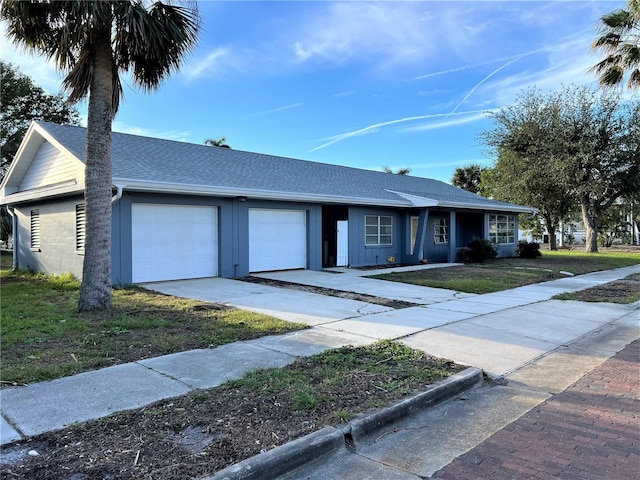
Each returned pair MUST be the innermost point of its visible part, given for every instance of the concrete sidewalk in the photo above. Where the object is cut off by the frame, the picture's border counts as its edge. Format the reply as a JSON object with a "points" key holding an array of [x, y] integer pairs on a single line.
{"points": [[569, 444], [500, 333]]}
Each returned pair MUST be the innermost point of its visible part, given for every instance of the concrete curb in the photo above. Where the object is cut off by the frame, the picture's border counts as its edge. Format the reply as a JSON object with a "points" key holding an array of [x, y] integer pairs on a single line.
{"points": [[360, 428], [288, 457]]}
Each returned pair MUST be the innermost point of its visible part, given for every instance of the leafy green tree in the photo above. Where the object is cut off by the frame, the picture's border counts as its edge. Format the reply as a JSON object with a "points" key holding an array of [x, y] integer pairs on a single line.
{"points": [[468, 178], [217, 142], [528, 164], [601, 145], [93, 42], [400, 171], [619, 40], [21, 102], [566, 148]]}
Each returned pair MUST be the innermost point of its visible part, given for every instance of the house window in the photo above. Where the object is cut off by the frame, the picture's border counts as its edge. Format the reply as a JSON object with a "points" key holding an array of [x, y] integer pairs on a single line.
{"points": [[35, 229], [502, 228], [81, 226], [441, 230], [377, 230]]}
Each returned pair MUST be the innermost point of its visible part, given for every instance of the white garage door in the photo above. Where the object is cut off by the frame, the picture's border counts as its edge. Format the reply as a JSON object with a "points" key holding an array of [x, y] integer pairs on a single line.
{"points": [[277, 239], [171, 242]]}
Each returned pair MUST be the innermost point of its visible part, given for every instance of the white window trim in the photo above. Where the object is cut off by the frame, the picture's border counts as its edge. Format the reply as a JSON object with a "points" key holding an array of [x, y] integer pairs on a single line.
{"points": [[378, 226], [441, 230], [502, 229]]}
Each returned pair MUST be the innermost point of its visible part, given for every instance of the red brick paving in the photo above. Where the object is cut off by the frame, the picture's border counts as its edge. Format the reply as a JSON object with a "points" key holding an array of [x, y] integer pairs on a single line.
{"points": [[589, 431]]}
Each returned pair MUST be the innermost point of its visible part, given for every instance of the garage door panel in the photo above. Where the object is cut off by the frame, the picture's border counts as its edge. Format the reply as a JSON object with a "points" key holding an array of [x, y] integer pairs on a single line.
{"points": [[171, 242], [277, 239]]}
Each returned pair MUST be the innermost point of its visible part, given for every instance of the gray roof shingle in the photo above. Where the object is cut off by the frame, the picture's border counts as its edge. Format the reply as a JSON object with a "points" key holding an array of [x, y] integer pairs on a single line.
{"points": [[179, 164]]}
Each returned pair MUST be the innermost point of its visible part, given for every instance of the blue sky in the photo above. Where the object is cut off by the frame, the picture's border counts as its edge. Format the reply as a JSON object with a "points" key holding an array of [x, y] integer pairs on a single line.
{"points": [[363, 84]]}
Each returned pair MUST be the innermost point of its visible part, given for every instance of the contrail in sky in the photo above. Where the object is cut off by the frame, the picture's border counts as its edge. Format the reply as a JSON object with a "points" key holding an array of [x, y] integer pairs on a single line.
{"points": [[375, 126], [487, 78], [274, 110]]}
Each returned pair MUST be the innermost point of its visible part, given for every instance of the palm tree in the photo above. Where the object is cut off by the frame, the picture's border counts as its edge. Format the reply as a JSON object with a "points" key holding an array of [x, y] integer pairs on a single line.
{"points": [[92, 42], [620, 40], [217, 142], [400, 171], [468, 178]]}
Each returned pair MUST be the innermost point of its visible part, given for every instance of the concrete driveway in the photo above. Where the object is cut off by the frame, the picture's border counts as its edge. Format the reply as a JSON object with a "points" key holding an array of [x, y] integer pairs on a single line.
{"points": [[497, 332], [293, 306]]}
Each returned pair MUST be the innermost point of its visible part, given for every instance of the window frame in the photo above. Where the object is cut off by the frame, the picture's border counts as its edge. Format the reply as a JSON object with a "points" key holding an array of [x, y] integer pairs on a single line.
{"points": [[441, 231], [34, 230], [378, 231], [502, 229]]}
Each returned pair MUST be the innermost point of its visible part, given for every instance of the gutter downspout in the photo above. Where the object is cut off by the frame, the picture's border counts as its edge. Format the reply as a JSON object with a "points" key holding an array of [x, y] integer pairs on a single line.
{"points": [[14, 233], [118, 194]]}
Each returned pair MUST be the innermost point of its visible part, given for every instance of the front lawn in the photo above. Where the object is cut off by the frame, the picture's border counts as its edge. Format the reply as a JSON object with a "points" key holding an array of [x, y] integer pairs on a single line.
{"points": [[505, 273], [207, 430], [44, 337]]}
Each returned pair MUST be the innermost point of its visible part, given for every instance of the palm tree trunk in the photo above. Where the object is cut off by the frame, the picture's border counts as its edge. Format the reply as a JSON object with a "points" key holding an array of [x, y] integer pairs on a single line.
{"points": [[95, 292]]}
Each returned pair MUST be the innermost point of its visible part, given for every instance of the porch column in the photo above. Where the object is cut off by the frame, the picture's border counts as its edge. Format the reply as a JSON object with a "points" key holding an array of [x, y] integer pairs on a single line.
{"points": [[453, 250], [421, 236]]}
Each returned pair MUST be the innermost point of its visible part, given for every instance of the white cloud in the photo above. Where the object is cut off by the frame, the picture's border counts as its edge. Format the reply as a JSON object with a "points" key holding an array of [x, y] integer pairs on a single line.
{"points": [[212, 63], [379, 32], [178, 135]]}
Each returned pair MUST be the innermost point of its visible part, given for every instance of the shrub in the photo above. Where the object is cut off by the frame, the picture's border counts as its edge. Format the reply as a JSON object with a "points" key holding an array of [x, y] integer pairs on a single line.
{"points": [[528, 249], [477, 251]]}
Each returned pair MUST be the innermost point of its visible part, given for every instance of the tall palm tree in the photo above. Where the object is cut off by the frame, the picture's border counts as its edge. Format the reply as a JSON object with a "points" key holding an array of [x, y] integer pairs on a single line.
{"points": [[93, 42], [217, 142], [620, 40]]}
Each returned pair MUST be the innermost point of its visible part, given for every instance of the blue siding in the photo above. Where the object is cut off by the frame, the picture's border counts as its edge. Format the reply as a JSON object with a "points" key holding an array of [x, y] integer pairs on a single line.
{"points": [[58, 255], [361, 255]]}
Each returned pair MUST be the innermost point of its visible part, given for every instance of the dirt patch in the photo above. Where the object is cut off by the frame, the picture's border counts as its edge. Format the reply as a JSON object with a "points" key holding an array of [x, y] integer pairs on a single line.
{"points": [[207, 430], [361, 297], [619, 291]]}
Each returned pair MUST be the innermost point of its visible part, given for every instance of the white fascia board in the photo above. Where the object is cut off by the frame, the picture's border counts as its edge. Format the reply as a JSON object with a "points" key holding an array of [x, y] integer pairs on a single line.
{"points": [[49, 191], [166, 187]]}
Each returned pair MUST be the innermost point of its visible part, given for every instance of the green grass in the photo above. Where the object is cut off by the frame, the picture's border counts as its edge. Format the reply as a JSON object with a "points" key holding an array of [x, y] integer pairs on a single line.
{"points": [[309, 383], [503, 274], [44, 337]]}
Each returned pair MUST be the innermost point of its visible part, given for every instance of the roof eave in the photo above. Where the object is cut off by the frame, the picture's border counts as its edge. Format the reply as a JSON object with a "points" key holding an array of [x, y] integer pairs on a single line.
{"points": [[497, 207], [217, 191], [50, 191]]}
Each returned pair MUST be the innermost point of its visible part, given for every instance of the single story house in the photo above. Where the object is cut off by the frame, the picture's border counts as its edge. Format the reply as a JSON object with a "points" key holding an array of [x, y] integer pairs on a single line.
{"points": [[183, 210]]}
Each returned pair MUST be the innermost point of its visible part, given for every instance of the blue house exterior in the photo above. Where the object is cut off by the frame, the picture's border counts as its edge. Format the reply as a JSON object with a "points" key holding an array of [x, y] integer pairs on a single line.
{"points": [[182, 210]]}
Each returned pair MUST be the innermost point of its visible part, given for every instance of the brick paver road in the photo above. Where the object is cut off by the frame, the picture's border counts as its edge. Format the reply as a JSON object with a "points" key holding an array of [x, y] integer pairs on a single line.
{"points": [[591, 430]]}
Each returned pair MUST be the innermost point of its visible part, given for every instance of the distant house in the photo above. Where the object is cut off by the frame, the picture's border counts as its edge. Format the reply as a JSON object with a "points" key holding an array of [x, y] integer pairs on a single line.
{"points": [[182, 210]]}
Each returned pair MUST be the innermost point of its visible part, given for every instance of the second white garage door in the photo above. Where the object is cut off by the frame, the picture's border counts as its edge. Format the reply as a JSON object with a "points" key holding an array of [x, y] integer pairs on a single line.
{"points": [[171, 242], [277, 239]]}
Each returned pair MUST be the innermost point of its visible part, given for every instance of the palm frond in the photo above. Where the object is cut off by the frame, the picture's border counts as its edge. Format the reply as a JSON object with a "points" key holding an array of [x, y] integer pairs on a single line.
{"points": [[153, 43]]}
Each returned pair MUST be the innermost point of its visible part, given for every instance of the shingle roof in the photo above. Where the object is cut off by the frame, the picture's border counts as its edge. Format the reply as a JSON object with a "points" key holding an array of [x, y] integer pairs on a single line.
{"points": [[171, 164]]}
